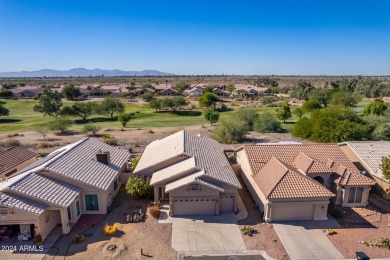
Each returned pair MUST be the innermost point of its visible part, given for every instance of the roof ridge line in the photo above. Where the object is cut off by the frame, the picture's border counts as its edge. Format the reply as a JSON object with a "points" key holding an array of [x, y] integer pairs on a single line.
{"points": [[60, 155], [283, 176]]}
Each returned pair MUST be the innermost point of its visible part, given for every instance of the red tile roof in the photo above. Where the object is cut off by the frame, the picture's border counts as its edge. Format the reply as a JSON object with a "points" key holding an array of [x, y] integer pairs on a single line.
{"points": [[321, 154], [278, 180], [12, 157]]}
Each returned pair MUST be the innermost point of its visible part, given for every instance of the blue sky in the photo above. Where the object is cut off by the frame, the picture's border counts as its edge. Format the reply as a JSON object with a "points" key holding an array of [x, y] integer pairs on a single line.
{"points": [[198, 37]]}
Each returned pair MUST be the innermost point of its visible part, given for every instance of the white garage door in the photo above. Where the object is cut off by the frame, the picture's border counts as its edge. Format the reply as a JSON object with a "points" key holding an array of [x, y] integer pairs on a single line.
{"points": [[292, 212], [193, 207], [226, 203]]}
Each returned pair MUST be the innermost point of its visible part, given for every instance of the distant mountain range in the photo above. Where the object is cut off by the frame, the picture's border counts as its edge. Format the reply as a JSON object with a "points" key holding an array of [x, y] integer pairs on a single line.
{"points": [[81, 72]]}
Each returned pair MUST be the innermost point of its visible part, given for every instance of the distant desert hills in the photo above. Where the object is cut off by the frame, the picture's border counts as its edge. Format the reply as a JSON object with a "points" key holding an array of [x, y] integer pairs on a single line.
{"points": [[81, 72]]}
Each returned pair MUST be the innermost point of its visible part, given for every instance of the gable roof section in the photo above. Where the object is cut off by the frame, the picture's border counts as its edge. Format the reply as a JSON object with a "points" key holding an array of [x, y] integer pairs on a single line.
{"points": [[79, 163], [259, 155], [47, 189], [173, 170], [278, 180], [12, 200], [207, 153], [10, 158], [191, 179], [161, 150], [371, 153]]}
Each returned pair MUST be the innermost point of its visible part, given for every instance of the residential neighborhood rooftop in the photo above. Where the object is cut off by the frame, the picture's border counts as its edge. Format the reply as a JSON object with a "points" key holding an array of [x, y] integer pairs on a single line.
{"points": [[278, 180], [322, 157], [11, 157], [214, 164], [371, 153]]}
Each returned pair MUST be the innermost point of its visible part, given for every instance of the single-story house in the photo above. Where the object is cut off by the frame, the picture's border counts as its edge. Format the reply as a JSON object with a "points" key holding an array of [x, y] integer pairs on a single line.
{"points": [[296, 181], [169, 92], [220, 92], [80, 178], [386, 99], [26, 91], [250, 91], [14, 159], [191, 173], [367, 156], [193, 92]]}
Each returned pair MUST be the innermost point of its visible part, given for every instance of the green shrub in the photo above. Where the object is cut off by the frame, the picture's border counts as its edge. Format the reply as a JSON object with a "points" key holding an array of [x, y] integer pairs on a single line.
{"points": [[335, 211], [267, 123]]}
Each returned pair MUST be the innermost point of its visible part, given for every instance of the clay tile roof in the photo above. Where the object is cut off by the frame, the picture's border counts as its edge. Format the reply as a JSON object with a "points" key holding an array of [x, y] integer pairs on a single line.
{"points": [[259, 155], [303, 162], [278, 180], [12, 157]]}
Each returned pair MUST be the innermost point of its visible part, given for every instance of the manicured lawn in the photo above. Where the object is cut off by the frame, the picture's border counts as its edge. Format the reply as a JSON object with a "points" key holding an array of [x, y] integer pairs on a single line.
{"points": [[23, 118]]}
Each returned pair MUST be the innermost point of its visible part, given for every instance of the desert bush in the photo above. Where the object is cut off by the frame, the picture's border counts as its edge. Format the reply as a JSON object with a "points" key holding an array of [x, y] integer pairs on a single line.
{"points": [[267, 123], [335, 211], [44, 154], [12, 142], [78, 239], [91, 128], [154, 211], [109, 139], [61, 124], [110, 230], [248, 230], [43, 145]]}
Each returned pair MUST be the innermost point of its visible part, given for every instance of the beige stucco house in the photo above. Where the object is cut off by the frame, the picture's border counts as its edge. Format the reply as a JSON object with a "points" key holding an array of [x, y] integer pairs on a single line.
{"points": [[81, 178], [190, 173], [14, 159], [367, 156], [296, 181]]}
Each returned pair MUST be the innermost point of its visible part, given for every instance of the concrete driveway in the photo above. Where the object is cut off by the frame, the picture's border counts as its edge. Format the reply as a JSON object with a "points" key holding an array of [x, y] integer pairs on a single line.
{"points": [[305, 239], [206, 233]]}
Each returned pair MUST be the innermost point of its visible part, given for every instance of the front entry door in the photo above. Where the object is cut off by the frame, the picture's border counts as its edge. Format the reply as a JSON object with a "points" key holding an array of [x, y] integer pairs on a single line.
{"points": [[162, 195]]}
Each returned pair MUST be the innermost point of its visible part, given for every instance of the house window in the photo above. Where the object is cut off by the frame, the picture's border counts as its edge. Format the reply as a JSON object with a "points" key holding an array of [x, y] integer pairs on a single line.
{"points": [[355, 195], [91, 202], [194, 187], [69, 213], [115, 184], [78, 208], [4, 211]]}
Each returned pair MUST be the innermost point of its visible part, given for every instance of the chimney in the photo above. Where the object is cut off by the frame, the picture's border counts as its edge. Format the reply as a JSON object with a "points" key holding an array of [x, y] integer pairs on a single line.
{"points": [[103, 157]]}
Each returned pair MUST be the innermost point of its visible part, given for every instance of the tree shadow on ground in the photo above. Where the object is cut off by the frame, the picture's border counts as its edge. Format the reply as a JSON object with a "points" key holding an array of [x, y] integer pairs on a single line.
{"points": [[9, 120]]}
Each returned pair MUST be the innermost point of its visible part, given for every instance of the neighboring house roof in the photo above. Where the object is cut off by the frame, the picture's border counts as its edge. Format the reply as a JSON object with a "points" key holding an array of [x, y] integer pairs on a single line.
{"points": [[371, 153], [278, 180], [259, 155], [207, 153], [12, 200], [41, 187], [251, 88], [32, 89], [12, 157], [173, 170], [79, 163], [162, 86], [169, 90], [386, 99]]}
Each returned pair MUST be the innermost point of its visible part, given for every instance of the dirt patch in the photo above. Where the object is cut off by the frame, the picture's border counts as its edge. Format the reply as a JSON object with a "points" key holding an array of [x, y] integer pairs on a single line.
{"points": [[152, 238], [136, 139], [362, 225], [265, 237]]}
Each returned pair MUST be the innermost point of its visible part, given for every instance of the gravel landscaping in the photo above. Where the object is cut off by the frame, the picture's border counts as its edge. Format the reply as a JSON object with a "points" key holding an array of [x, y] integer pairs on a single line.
{"points": [[265, 237], [130, 241], [362, 225]]}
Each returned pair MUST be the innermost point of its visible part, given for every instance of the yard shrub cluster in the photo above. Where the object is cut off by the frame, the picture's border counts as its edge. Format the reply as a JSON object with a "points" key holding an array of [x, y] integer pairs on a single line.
{"points": [[248, 230], [110, 230], [154, 211]]}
